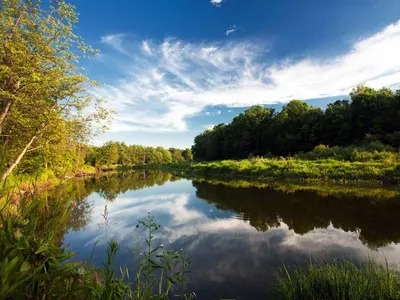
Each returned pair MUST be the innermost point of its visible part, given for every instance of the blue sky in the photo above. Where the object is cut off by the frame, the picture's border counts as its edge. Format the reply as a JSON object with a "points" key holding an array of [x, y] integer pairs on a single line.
{"points": [[172, 68]]}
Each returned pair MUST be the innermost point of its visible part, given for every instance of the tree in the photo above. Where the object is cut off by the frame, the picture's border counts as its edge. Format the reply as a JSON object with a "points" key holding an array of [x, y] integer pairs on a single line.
{"points": [[123, 154], [40, 83], [176, 155], [166, 156], [108, 154], [187, 154]]}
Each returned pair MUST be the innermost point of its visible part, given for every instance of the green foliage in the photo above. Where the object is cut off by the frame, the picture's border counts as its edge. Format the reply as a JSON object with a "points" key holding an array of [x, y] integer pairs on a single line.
{"points": [[339, 280], [371, 116], [44, 96], [187, 154], [33, 265], [115, 153], [160, 269], [362, 169], [371, 151], [108, 154]]}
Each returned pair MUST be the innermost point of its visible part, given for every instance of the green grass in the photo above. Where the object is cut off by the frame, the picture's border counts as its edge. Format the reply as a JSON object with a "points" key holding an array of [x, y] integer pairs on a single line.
{"points": [[339, 280], [296, 169]]}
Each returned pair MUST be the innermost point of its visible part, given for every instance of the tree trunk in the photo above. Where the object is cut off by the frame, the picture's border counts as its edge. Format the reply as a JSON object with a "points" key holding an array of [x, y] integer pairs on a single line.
{"points": [[4, 114], [16, 162]]}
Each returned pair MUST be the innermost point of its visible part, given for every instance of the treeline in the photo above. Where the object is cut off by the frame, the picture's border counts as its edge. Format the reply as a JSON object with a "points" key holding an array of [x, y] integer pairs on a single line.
{"points": [[370, 114], [116, 153]]}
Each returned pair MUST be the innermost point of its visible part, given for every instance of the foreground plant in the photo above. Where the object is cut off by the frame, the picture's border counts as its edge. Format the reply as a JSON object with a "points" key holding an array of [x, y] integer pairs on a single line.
{"points": [[339, 280], [34, 265], [159, 269]]}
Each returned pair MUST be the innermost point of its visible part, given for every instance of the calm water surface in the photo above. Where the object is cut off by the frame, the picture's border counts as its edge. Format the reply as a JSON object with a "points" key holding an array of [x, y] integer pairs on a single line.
{"points": [[235, 237]]}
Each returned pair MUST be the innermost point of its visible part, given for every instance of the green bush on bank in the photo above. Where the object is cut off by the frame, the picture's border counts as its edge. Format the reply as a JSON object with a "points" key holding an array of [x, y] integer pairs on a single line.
{"points": [[373, 151]]}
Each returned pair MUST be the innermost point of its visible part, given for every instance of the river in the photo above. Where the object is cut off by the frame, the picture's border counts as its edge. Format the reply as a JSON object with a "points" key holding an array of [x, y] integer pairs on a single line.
{"points": [[236, 237]]}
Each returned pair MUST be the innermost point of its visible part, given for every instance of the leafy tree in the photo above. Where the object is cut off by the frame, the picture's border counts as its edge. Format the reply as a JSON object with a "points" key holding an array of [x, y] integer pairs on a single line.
{"points": [[108, 154], [165, 155], [41, 87], [176, 155], [123, 154], [187, 154]]}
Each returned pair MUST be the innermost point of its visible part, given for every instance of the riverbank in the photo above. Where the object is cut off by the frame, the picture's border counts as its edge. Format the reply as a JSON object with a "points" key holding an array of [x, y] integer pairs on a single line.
{"points": [[44, 180], [281, 169]]}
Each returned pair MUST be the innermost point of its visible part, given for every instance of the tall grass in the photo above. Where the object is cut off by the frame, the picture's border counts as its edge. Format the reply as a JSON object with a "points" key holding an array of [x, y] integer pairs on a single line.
{"points": [[339, 280]]}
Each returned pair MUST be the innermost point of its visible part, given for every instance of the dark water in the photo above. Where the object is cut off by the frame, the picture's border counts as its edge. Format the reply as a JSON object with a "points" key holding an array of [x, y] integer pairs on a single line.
{"points": [[235, 237]]}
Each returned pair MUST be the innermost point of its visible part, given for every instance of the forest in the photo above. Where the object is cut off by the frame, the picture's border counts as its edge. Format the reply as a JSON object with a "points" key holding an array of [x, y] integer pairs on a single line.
{"points": [[116, 153], [368, 121]]}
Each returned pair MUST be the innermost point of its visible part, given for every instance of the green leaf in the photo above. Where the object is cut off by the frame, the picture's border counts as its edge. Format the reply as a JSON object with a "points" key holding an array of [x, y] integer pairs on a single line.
{"points": [[154, 264], [25, 266], [42, 248]]}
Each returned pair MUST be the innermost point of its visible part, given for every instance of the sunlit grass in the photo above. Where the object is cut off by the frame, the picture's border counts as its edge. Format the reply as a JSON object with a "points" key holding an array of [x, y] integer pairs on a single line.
{"points": [[298, 169]]}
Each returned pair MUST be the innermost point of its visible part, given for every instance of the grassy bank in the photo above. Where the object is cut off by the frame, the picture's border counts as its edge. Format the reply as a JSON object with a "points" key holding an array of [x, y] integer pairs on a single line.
{"points": [[41, 180], [294, 169], [339, 280]]}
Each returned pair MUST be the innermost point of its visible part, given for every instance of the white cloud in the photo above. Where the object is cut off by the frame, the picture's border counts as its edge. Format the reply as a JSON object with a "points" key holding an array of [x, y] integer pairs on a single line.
{"points": [[160, 91], [208, 126], [216, 2], [115, 41], [146, 47], [231, 29]]}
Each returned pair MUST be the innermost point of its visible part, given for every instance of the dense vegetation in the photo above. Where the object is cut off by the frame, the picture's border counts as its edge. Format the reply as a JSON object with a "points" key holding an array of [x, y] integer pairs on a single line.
{"points": [[114, 153], [35, 265], [47, 112], [339, 280], [385, 171], [298, 128]]}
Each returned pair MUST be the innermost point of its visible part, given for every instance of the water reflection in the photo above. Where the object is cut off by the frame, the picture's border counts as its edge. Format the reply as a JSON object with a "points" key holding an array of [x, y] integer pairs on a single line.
{"points": [[376, 221], [235, 237]]}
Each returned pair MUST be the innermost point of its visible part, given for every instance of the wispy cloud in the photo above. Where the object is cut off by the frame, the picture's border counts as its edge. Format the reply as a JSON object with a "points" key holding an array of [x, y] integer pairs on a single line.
{"points": [[115, 41], [216, 2], [146, 47], [180, 79], [231, 29]]}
